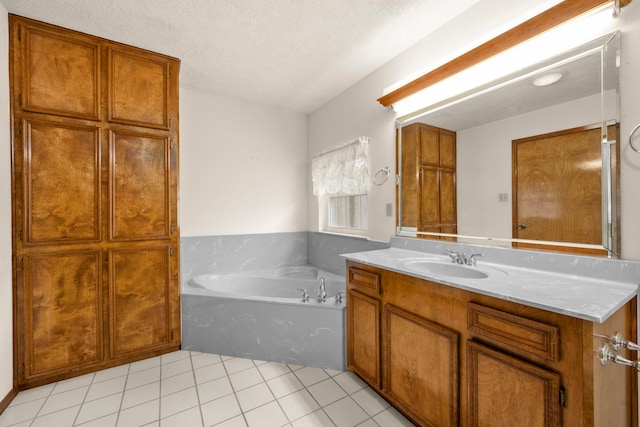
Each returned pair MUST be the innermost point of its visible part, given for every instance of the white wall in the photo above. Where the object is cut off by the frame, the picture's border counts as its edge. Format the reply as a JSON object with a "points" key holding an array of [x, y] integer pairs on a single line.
{"points": [[6, 306], [243, 167], [356, 111]]}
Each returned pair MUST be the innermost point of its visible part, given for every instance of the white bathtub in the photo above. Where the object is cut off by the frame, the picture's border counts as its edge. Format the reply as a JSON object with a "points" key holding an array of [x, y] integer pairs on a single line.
{"points": [[261, 315], [275, 285]]}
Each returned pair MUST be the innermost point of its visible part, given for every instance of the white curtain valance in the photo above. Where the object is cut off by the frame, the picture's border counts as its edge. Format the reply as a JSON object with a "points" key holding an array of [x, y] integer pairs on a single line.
{"points": [[344, 170]]}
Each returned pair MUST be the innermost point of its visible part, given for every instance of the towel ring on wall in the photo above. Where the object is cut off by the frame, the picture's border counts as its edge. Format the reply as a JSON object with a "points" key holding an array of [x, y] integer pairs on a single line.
{"points": [[381, 176], [631, 139]]}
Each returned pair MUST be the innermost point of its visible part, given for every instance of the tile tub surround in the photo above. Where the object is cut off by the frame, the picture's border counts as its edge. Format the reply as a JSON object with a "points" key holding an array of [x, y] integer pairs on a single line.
{"points": [[588, 288], [240, 252], [324, 250]]}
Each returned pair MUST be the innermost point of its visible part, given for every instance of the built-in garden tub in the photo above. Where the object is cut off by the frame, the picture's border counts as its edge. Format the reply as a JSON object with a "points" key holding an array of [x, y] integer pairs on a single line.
{"points": [[261, 315]]}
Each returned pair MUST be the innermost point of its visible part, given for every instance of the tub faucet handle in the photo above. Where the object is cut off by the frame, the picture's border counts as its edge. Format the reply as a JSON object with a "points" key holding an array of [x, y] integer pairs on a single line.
{"points": [[339, 297], [305, 295]]}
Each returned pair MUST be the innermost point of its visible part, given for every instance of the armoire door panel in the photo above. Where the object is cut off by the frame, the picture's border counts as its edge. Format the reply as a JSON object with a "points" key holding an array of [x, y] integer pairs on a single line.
{"points": [[138, 87], [139, 298], [448, 211], [62, 75], [63, 312], [429, 196], [61, 182], [139, 186]]}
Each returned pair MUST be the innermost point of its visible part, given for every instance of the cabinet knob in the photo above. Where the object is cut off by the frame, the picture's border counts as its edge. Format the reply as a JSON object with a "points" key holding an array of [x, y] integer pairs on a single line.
{"points": [[522, 226]]}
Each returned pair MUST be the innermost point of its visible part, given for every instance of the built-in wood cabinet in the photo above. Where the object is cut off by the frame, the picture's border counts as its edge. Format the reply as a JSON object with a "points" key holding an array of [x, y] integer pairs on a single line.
{"points": [[452, 357], [95, 233], [428, 179]]}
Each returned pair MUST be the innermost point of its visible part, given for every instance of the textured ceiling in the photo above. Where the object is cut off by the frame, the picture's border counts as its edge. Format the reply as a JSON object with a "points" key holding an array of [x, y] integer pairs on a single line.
{"points": [[294, 54]]}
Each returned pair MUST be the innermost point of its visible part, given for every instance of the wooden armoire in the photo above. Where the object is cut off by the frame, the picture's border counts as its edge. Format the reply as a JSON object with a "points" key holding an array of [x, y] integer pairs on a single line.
{"points": [[95, 190], [428, 183]]}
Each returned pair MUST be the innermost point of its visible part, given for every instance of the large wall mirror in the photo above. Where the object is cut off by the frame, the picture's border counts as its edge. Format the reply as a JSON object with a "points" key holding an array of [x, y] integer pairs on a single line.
{"points": [[530, 160]]}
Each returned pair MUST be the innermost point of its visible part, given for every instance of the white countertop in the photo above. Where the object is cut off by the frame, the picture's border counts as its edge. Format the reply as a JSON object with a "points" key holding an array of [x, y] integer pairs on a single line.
{"points": [[573, 295]]}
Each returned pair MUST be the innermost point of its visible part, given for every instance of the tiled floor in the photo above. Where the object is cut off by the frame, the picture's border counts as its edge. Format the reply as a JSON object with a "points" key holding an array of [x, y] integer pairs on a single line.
{"points": [[187, 389]]}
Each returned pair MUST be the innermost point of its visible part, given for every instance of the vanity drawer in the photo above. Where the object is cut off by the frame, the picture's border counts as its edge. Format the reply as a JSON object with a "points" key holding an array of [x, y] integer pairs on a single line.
{"points": [[514, 332], [366, 281]]}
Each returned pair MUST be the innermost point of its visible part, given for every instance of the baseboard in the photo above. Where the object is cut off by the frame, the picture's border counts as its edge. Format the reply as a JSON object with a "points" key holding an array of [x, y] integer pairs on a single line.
{"points": [[8, 399]]}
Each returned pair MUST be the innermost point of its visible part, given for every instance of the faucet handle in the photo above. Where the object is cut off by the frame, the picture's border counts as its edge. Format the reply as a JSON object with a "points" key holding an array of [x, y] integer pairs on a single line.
{"points": [[473, 258], [305, 295], [339, 297], [455, 256]]}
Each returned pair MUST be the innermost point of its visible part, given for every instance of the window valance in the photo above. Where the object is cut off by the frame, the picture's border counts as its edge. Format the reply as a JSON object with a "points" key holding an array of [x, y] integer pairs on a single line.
{"points": [[344, 170]]}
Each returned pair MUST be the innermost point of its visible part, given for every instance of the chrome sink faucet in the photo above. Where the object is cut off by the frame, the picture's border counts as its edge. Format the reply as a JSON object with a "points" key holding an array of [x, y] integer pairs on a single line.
{"points": [[322, 292], [461, 258]]}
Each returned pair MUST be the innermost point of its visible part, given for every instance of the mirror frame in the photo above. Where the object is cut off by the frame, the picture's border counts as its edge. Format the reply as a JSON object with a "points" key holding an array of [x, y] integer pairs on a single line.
{"points": [[610, 209]]}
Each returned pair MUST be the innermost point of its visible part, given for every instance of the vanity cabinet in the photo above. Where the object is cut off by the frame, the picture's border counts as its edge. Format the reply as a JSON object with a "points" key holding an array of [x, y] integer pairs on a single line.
{"points": [[429, 178], [95, 173], [452, 357]]}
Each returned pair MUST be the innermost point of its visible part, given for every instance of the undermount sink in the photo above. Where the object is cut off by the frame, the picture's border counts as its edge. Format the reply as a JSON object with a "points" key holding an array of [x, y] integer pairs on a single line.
{"points": [[444, 269]]}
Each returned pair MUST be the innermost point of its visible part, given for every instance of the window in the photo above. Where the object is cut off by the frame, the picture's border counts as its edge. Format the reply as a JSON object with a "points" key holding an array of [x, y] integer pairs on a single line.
{"points": [[348, 212], [340, 180]]}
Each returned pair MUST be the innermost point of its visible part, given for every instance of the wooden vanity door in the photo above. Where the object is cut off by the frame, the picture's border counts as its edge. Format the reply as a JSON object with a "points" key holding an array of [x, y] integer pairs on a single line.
{"points": [[505, 391], [421, 372]]}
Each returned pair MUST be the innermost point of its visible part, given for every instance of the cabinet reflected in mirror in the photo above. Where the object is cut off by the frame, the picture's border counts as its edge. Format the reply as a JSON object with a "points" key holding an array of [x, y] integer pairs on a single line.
{"points": [[480, 196]]}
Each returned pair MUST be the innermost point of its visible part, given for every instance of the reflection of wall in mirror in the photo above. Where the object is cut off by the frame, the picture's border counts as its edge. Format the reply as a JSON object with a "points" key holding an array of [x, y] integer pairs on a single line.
{"points": [[484, 161]]}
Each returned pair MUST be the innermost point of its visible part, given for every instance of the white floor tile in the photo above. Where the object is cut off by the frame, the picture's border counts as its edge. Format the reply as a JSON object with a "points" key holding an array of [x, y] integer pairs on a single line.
{"points": [[370, 401], [284, 385], [139, 395], [214, 389], [108, 374], [188, 389], [233, 422], [349, 382], [390, 417], [23, 412], [67, 399], [269, 415], [205, 359], [176, 368], [346, 413], [236, 364], [174, 356], [252, 397], [145, 364], [210, 372], [220, 410], [141, 378], [99, 408], [140, 415], [178, 402], [298, 404], [108, 421], [271, 370], [60, 418], [106, 388], [32, 394], [188, 418], [310, 376], [246, 378], [314, 419], [327, 391], [73, 383], [177, 383]]}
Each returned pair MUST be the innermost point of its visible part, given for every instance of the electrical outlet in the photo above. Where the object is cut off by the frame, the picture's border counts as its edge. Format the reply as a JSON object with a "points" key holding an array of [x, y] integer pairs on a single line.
{"points": [[389, 209], [503, 197]]}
